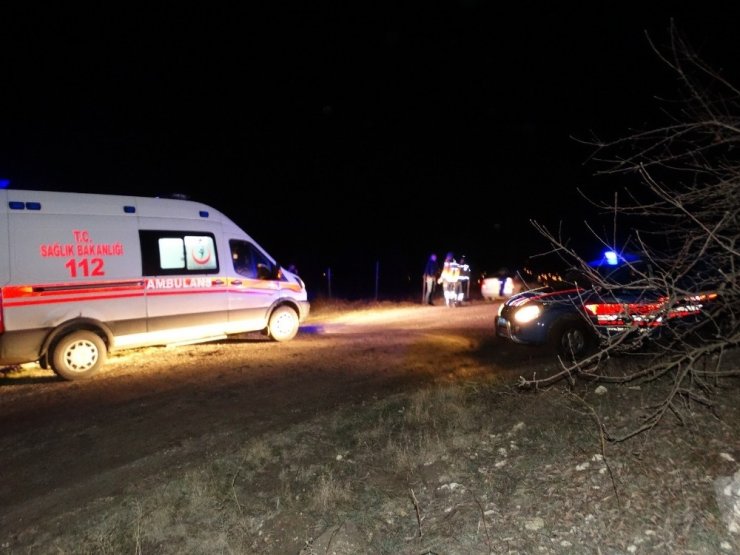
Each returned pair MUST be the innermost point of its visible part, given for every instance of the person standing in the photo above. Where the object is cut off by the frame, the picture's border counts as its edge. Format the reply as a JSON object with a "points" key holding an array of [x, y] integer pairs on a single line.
{"points": [[448, 278], [431, 272], [463, 280]]}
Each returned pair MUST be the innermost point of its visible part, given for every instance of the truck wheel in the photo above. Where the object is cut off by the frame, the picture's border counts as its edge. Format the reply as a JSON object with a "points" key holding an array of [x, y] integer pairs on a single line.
{"points": [[572, 339], [283, 324], [78, 355]]}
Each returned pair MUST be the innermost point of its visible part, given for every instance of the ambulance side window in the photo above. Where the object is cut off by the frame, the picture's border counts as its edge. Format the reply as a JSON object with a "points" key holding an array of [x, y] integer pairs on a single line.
{"points": [[249, 261], [177, 252]]}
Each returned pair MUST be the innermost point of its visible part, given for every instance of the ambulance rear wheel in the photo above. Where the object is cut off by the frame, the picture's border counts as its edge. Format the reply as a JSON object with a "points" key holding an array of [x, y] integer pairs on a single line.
{"points": [[78, 355], [283, 324]]}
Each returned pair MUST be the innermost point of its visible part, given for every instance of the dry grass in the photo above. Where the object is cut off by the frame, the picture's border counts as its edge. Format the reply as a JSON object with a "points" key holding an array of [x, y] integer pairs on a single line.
{"points": [[453, 469]]}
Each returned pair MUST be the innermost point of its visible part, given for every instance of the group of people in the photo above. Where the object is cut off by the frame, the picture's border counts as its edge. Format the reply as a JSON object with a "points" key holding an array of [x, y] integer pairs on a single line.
{"points": [[451, 276]]}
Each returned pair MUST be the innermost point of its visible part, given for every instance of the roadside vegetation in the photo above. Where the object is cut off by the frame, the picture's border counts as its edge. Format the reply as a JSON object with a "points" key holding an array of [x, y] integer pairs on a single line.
{"points": [[681, 214], [464, 468]]}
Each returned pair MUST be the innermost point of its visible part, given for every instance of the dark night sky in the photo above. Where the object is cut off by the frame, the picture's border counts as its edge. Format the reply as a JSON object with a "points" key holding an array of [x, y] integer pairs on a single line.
{"points": [[341, 138]]}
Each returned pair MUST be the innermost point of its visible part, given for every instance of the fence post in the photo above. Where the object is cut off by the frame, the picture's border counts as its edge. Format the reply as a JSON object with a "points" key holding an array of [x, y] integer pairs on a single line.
{"points": [[377, 278]]}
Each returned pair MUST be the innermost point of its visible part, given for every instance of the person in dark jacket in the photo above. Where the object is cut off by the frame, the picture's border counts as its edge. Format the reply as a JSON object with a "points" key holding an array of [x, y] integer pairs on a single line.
{"points": [[431, 273]]}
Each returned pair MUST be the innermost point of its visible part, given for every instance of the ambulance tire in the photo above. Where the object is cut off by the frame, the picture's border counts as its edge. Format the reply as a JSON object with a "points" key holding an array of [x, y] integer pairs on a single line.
{"points": [[283, 324], [78, 355]]}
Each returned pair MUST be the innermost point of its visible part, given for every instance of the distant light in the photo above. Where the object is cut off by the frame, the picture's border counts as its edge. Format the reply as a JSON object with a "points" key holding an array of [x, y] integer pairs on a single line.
{"points": [[612, 259], [4, 183]]}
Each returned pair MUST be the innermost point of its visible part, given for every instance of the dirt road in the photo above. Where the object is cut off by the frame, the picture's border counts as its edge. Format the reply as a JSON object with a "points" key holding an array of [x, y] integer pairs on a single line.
{"points": [[65, 443]]}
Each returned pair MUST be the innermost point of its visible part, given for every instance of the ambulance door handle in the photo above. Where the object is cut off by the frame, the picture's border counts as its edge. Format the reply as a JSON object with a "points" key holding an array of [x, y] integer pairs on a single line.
{"points": [[218, 282], [236, 282]]}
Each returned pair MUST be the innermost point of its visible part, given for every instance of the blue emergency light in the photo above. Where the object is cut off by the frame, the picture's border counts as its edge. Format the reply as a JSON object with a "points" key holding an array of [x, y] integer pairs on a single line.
{"points": [[611, 257]]}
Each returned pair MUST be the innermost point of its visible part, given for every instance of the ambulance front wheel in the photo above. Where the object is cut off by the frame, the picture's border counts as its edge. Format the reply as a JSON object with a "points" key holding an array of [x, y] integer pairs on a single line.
{"points": [[283, 324], [78, 355]]}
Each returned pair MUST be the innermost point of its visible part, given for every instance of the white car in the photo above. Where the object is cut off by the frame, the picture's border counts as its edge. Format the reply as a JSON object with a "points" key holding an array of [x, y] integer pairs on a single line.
{"points": [[491, 290]]}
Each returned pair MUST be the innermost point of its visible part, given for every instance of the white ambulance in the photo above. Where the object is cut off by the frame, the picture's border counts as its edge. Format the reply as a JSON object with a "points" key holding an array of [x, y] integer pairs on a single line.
{"points": [[82, 275]]}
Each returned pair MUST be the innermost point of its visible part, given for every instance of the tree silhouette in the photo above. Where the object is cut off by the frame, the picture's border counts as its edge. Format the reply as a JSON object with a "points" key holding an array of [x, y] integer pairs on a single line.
{"points": [[680, 213]]}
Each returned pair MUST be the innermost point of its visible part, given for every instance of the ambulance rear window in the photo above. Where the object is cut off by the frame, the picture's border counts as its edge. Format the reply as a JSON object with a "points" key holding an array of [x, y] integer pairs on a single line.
{"points": [[178, 252]]}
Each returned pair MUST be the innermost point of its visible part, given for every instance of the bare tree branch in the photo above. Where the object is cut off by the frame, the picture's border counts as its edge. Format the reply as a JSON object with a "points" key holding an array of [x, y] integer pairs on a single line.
{"points": [[682, 214]]}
